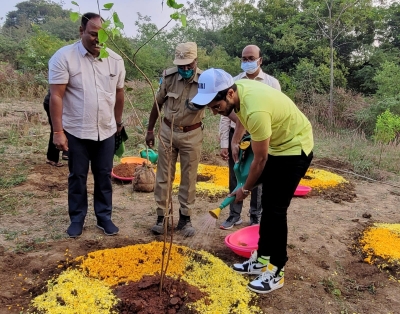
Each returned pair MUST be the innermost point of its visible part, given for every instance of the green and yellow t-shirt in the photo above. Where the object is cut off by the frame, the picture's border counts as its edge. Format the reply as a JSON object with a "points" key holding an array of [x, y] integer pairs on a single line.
{"points": [[267, 113]]}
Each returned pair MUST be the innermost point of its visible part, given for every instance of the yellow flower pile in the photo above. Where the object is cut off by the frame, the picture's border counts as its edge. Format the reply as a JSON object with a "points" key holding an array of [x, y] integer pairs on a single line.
{"points": [[226, 290], [74, 293], [216, 186], [321, 179], [130, 263], [382, 240]]}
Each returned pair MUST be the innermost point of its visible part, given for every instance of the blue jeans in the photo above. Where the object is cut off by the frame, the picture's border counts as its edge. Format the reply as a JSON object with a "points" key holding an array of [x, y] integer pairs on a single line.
{"points": [[100, 155], [280, 178]]}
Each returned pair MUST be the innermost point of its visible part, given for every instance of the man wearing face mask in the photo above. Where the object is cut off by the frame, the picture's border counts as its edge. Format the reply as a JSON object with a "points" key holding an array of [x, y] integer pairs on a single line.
{"points": [[251, 65], [178, 86]]}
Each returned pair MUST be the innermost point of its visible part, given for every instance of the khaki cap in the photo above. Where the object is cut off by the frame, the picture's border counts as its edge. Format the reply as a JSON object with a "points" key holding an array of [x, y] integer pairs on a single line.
{"points": [[185, 53]]}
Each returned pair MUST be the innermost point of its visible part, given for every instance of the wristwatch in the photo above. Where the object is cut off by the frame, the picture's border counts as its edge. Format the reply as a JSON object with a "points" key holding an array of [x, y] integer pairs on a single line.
{"points": [[246, 192], [120, 123]]}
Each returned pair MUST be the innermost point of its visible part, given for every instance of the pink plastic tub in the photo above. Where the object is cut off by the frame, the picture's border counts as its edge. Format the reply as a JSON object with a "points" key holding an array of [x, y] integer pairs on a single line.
{"points": [[302, 190], [244, 241]]}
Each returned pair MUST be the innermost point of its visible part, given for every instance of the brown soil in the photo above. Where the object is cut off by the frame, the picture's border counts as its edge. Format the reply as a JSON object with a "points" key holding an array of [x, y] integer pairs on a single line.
{"points": [[125, 170], [325, 272], [143, 297]]}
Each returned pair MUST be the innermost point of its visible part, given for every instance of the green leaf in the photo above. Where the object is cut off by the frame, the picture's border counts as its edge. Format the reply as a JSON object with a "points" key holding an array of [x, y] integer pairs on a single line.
{"points": [[129, 89], [74, 16], [106, 24], [173, 4], [108, 6], [74, 3], [102, 36], [119, 25], [115, 32], [183, 20], [116, 18], [103, 53], [175, 16]]}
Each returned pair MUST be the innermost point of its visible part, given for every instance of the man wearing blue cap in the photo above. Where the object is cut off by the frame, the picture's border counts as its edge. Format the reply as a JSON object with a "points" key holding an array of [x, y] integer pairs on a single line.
{"points": [[282, 142]]}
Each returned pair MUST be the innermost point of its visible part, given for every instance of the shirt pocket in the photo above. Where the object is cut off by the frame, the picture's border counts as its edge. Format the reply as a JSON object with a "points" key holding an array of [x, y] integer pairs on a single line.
{"points": [[173, 102], [107, 83]]}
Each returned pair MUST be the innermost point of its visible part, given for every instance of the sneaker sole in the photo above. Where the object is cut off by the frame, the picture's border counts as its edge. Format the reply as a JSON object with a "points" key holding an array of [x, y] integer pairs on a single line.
{"points": [[235, 224], [262, 291], [247, 273], [109, 234]]}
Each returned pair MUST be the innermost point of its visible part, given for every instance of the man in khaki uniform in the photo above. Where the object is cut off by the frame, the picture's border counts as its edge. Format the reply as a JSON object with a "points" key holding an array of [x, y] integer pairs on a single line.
{"points": [[177, 88]]}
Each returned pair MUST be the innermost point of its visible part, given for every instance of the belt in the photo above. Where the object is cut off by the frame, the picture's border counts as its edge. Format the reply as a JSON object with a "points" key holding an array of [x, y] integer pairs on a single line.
{"points": [[184, 128]]}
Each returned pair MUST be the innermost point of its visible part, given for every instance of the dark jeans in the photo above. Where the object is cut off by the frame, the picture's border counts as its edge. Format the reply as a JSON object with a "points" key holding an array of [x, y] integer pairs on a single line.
{"points": [[280, 178], [100, 154], [53, 154], [255, 197]]}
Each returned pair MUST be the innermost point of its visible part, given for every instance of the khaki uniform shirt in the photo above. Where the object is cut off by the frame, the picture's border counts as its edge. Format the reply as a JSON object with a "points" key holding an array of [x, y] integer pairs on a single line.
{"points": [[89, 99], [174, 92]]}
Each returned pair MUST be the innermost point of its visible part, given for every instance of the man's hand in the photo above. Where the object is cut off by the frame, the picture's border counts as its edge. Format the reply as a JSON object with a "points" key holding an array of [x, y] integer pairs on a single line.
{"points": [[224, 153], [235, 152], [60, 141], [119, 128], [150, 139], [240, 196]]}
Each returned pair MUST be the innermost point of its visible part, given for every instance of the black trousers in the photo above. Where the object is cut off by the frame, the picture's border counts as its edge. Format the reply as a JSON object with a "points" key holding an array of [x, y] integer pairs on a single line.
{"points": [[280, 178], [235, 209], [100, 155]]}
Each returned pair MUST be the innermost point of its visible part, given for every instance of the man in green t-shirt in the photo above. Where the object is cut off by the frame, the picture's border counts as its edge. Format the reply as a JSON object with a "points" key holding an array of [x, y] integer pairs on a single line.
{"points": [[282, 142]]}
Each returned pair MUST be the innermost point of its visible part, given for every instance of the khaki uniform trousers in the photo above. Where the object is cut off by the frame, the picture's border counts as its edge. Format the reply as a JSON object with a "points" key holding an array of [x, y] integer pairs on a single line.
{"points": [[188, 146]]}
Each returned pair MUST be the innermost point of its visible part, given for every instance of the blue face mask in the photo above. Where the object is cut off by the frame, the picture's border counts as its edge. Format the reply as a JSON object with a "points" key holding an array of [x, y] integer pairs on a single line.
{"points": [[185, 73], [250, 67]]}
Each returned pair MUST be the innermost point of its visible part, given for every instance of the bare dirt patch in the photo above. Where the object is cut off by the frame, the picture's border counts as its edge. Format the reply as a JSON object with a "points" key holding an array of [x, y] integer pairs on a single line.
{"points": [[143, 296]]}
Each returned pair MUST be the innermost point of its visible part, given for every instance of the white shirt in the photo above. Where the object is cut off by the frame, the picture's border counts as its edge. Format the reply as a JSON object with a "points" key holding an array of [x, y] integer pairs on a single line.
{"points": [[225, 123], [89, 99]]}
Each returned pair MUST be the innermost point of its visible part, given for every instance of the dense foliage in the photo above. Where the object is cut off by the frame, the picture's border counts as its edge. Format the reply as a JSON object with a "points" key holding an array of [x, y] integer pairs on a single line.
{"points": [[339, 60]]}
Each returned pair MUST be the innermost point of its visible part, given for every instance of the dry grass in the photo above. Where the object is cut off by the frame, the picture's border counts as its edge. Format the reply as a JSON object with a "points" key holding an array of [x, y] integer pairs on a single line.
{"points": [[14, 84]]}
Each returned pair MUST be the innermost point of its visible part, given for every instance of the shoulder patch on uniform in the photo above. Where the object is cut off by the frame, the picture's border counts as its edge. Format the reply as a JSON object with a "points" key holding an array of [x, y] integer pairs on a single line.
{"points": [[170, 71]]}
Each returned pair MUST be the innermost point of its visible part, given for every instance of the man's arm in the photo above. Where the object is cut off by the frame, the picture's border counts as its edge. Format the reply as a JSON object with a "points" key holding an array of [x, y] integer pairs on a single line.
{"points": [[237, 137], [152, 122], [260, 150], [119, 107], [57, 92], [224, 127]]}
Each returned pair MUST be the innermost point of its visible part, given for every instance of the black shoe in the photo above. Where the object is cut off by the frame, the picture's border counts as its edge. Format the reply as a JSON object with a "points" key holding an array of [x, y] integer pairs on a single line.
{"points": [[254, 220], [75, 229], [108, 227], [158, 228], [185, 226]]}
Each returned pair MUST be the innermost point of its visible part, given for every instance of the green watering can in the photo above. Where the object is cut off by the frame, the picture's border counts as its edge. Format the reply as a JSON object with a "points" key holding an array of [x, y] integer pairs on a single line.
{"points": [[153, 156], [241, 170]]}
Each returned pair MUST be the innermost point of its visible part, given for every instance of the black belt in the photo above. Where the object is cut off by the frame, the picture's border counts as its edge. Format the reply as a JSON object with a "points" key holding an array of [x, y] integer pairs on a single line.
{"points": [[184, 128]]}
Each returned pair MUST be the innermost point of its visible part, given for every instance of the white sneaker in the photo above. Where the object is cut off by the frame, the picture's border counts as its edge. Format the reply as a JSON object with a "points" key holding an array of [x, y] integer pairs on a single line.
{"points": [[268, 281], [252, 266]]}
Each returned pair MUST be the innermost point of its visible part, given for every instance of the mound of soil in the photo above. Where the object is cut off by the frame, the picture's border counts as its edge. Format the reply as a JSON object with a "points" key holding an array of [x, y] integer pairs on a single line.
{"points": [[144, 296], [342, 192], [125, 170]]}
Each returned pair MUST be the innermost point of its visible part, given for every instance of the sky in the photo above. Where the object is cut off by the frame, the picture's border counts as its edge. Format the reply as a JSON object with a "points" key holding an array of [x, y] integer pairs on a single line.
{"points": [[126, 9]]}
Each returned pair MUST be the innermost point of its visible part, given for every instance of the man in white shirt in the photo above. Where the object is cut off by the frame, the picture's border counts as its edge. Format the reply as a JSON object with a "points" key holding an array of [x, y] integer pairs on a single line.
{"points": [[251, 65], [87, 100]]}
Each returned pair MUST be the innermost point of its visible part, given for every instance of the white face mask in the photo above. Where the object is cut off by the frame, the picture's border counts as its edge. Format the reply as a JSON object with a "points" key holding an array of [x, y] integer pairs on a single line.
{"points": [[250, 67]]}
